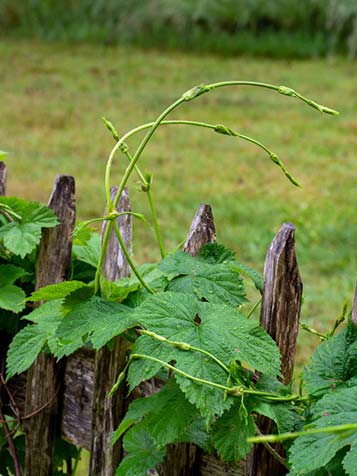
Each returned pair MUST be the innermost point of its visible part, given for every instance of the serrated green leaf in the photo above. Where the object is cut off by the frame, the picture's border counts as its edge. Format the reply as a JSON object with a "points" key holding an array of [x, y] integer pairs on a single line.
{"points": [[88, 251], [143, 453], [315, 451], [215, 282], [29, 342], [24, 348], [230, 432], [95, 319], [215, 253], [220, 330], [57, 291], [23, 235], [350, 460], [333, 363]]}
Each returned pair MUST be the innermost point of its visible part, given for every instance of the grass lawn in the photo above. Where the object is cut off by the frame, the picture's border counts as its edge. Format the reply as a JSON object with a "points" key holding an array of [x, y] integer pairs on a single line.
{"points": [[52, 100]]}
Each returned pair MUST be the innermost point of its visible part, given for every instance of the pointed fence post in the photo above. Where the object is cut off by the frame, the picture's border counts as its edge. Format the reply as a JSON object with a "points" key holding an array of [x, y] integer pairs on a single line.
{"points": [[44, 378], [280, 314], [182, 459], [108, 411]]}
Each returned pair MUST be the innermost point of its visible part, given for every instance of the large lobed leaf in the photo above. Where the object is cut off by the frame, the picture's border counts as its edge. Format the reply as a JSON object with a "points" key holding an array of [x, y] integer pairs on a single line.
{"points": [[207, 279], [217, 329], [23, 234], [334, 363], [312, 452], [143, 453], [96, 320]]}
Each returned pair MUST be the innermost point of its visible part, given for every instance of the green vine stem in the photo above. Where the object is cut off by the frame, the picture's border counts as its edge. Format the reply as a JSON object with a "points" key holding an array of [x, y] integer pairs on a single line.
{"points": [[185, 347], [345, 428], [187, 96], [128, 257], [250, 313], [180, 372]]}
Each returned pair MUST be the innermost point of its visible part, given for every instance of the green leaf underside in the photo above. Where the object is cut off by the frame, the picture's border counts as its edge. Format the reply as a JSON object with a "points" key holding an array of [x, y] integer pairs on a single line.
{"points": [[29, 342], [334, 363], [22, 236], [315, 451], [88, 251], [167, 415], [217, 283], [143, 453], [230, 432], [11, 297], [56, 291], [96, 320], [283, 415]]}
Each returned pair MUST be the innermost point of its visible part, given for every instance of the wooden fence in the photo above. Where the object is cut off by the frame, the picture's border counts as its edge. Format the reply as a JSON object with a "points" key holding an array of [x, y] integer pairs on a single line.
{"points": [[70, 397]]}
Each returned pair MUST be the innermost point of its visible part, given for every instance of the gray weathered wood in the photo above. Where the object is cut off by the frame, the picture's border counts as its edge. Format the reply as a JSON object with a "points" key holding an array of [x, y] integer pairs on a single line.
{"points": [[44, 378], [3, 176], [354, 308], [77, 398], [202, 230], [280, 314], [108, 411], [184, 459]]}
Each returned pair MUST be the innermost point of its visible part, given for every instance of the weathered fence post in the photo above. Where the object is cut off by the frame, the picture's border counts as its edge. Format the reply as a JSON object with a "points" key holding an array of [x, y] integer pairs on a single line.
{"points": [[183, 459], [3, 175], [280, 314], [108, 411], [44, 378]]}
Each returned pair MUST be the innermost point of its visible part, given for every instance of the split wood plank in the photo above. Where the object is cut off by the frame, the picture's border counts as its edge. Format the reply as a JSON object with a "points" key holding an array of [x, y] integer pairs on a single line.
{"points": [[44, 378], [280, 315], [107, 412]]}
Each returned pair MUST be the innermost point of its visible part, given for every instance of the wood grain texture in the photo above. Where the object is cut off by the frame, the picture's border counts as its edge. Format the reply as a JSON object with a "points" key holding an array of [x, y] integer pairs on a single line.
{"points": [[77, 398], [3, 177], [44, 378], [202, 230], [184, 459], [108, 412], [280, 315]]}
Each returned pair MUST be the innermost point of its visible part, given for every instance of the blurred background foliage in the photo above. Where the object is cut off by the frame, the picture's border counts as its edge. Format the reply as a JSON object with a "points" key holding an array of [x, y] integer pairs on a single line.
{"points": [[278, 28]]}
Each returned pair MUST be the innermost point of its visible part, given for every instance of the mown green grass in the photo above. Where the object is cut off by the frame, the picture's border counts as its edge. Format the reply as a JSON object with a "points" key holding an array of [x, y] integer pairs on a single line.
{"points": [[52, 100]]}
